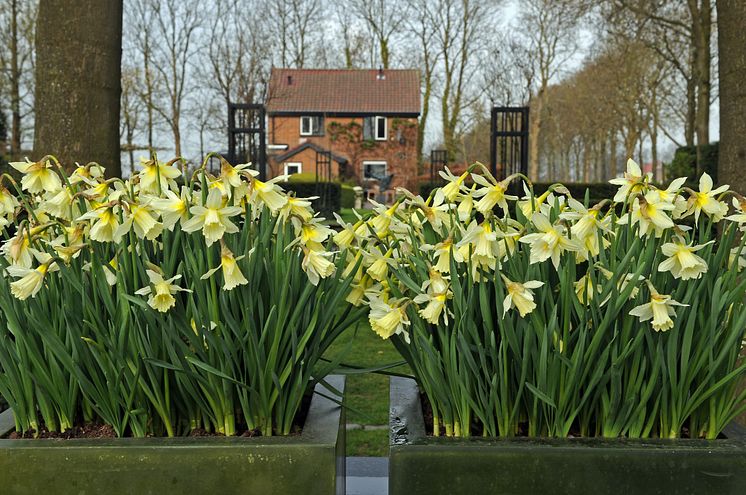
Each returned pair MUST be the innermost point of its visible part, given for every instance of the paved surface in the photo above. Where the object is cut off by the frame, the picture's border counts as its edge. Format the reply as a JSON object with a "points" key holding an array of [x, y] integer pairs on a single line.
{"points": [[367, 475], [355, 426]]}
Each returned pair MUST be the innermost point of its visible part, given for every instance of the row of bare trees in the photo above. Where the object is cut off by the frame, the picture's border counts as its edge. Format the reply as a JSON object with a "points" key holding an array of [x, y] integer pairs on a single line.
{"points": [[17, 61], [604, 80]]}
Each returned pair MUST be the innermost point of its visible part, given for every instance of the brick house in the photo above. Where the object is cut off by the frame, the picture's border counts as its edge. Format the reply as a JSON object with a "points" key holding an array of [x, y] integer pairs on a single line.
{"points": [[366, 119]]}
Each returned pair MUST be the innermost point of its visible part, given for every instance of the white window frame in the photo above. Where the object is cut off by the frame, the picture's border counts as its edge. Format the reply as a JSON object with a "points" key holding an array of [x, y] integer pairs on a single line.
{"points": [[309, 119], [303, 119], [292, 164], [385, 136], [375, 162]]}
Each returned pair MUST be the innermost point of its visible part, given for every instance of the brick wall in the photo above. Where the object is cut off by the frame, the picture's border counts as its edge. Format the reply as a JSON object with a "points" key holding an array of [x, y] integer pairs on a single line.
{"points": [[343, 137], [307, 159]]}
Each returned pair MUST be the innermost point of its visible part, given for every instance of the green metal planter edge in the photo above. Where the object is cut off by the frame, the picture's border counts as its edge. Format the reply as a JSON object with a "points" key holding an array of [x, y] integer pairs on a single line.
{"points": [[421, 464], [312, 462]]}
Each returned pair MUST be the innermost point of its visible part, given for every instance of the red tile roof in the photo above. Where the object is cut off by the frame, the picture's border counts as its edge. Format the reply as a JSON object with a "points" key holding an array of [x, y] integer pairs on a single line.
{"points": [[344, 91]]}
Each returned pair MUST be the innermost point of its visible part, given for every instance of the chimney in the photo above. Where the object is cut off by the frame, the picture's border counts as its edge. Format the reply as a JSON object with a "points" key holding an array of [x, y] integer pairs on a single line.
{"points": [[381, 76], [290, 80]]}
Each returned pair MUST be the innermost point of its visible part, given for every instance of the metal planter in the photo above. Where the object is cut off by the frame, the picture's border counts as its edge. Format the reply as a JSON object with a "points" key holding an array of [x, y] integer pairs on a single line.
{"points": [[310, 463], [419, 464]]}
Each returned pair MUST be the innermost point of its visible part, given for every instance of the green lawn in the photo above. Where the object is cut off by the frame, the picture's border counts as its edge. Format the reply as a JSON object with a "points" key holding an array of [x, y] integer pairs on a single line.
{"points": [[367, 394], [348, 214]]}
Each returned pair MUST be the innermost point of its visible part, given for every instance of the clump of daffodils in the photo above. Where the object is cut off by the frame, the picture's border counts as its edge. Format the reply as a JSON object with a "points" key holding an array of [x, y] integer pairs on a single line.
{"points": [[169, 301], [473, 223], [57, 217], [473, 273]]}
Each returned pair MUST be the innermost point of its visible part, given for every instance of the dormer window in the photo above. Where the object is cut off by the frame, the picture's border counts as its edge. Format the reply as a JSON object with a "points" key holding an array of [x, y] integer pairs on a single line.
{"points": [[312, 125], [375, 128]]}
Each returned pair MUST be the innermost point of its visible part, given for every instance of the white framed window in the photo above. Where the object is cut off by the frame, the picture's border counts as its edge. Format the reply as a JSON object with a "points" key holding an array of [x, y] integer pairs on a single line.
{"points": [[375, 128], [312, 125], [374, 170], [293, 168], [381, 129]]}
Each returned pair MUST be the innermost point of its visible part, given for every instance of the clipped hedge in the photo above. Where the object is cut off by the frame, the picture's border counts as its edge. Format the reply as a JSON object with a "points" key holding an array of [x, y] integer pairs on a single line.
{"points": [[333, 192], [596, 190], [684, 162], [426, 187], [347, 199], [303, 177]]}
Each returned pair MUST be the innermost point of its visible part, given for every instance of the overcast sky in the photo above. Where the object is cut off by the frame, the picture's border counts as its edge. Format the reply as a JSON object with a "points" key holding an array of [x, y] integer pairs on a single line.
{"points": [[507, 14]]}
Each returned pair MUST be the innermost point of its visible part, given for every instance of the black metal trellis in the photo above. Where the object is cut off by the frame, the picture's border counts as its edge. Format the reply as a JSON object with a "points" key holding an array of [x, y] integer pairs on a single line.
{"points": [[247, 136], [323, 181], [508, 141], [438, 162]]}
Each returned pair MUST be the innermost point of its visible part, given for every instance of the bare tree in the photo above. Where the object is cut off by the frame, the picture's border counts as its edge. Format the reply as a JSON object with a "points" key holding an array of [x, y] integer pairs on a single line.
{"points": [[548, 27], [422, 27], [131, 107], [683, 36], [296, 28], [505, 74], [176, 26], [355, 44], [17, 21], [385, 21], [138, 49], [205, 120], [239, 58], [458, 28]]}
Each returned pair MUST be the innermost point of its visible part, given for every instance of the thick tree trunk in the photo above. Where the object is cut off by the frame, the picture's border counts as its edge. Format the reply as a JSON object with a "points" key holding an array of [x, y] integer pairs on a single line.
{"points": [[385, 54], [534, 135], [732, 60], [149, 91], [654, 151], [15, 85], [691, 103], [78, 71], [732, 65], [701, 35], [613, 167], [423, 120]]}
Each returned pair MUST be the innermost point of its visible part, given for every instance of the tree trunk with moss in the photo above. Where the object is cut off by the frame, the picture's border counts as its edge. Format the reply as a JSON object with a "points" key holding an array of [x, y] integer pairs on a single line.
{"points": [[78, 72], [732, 60], [732, 67]]}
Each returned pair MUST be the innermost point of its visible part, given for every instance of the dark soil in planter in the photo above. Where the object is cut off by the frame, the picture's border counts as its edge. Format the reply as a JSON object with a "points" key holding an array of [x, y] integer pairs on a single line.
{"points": [[96, 430], [89, 430]]}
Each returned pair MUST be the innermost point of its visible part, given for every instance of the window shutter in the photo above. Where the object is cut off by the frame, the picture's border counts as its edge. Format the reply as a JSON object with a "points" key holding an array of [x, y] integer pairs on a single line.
{"points": [[368, 124], [318, 126]]}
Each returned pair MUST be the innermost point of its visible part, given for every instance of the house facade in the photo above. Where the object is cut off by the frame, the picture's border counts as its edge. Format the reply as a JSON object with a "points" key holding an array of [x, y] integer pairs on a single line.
{"points": [[355, 125]]}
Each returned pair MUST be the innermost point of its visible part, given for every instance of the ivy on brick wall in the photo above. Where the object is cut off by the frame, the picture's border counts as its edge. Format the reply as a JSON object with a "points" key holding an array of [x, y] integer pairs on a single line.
{"points": [[349, 139]]}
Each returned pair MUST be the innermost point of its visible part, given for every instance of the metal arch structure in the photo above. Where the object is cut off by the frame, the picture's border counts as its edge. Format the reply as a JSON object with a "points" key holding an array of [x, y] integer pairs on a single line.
{"points": [[508, 141], [324, 182], [438, 162], [247, 136]]}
